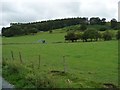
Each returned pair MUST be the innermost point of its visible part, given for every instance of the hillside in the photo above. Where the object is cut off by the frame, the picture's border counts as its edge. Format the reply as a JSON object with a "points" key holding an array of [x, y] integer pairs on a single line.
{"points": [[18, 29]]}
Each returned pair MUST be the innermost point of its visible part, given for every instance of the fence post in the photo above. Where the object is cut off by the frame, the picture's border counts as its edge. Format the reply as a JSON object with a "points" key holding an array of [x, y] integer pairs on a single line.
{"points": [[64, 64], [12, 55], [39, 61], [20, 57]]}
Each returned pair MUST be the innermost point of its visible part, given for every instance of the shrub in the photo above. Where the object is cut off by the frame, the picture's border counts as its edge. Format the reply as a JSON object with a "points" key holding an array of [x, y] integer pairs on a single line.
{"points": [[50, 31], [107, 35]]}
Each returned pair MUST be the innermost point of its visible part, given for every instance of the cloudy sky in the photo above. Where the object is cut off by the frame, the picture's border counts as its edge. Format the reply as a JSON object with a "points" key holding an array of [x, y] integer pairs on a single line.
{"points": [[37, 10]]}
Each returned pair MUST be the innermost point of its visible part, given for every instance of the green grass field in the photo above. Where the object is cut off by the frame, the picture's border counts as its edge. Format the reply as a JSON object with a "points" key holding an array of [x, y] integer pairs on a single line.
{"points": [[88, 64]]}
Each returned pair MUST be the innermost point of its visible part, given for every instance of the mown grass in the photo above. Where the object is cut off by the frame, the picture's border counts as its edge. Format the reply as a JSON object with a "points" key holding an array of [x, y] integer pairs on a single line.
{"points": [[89, 64]]}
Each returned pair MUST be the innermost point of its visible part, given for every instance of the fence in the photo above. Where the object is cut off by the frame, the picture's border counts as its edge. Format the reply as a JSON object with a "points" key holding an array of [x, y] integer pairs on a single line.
{"points": [[21, 60]]}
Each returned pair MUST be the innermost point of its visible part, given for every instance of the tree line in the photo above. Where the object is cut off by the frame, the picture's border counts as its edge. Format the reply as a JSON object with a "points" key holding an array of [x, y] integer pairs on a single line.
{"points": [[91, 35], [16, 29]]}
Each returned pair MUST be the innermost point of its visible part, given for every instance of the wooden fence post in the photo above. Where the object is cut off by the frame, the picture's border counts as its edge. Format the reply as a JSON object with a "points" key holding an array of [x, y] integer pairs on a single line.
{"points": [[12, 55], [64, 64], [20, 57], [39, 61]]}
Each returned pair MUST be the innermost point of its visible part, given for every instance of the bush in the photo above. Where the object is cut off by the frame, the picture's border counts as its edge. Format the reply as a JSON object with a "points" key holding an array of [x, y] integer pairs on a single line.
{"points": [[107, 35], [50, 31]]}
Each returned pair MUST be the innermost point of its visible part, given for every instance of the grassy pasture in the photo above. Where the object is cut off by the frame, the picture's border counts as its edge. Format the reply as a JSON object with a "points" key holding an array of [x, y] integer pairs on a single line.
{"points": [[89, 64], [34, 38]]}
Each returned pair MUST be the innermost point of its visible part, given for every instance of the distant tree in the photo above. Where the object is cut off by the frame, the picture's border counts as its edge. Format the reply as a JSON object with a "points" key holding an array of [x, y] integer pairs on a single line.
{"points": [[33, 31], [7, 32], [118, 35], [84, 37], [114, 23], [84, 21], [90, 34], [16, 30], [3, 30], [78, 36], [71, 36], [95, 20], [103, 21], [83, 27], [107, 35], [26, 30]]}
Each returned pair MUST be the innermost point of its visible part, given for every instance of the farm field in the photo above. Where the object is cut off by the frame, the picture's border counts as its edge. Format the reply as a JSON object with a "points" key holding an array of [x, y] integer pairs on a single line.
{"points": [[87, 64]]}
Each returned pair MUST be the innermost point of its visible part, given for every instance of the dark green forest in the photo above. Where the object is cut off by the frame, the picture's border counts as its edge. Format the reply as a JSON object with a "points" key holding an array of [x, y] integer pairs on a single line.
{"points": [[17, 29]]}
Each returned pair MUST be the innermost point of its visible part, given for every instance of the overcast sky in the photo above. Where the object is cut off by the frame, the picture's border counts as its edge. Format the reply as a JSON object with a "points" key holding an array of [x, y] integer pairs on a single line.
{"points": [[37, 10]]}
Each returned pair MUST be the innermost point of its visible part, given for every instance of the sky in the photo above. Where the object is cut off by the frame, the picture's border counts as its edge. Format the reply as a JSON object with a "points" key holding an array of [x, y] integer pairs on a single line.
{"points": [[24, 11]]}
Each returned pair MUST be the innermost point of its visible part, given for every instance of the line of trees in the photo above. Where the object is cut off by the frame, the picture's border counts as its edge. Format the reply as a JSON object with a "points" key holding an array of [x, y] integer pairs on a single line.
{"points": [[90, 35], [17, 30], [32, 28], [28, 28]]}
